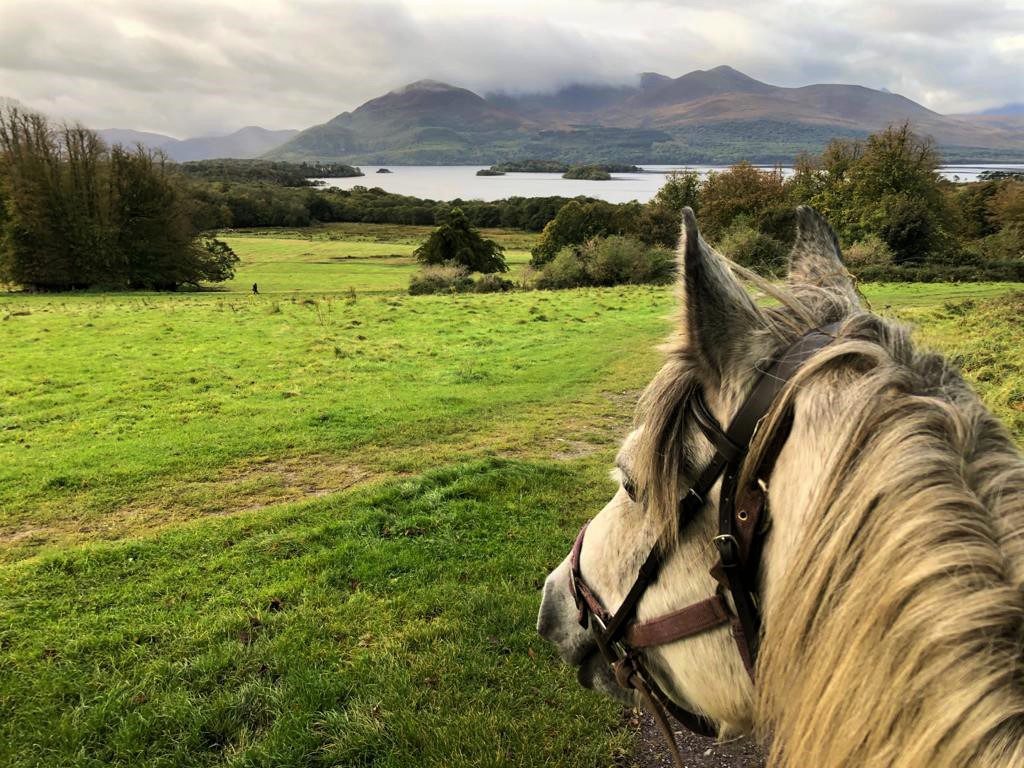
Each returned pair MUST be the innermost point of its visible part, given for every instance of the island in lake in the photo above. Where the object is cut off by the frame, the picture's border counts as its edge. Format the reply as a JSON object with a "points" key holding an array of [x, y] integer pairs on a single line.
{"points": [[588, 172]]}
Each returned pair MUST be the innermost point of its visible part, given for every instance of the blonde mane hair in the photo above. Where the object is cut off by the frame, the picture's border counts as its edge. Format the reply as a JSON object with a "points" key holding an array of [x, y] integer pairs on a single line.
{"points": [[894, 635]]}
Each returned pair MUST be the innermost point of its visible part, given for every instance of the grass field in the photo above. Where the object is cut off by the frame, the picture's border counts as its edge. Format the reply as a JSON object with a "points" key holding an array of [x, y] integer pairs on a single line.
{"points": [[308, 528], [335, 259]]}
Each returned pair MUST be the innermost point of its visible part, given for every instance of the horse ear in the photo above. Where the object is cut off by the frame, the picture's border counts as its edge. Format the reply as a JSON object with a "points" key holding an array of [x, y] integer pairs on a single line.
{"points": [[719, 315], [816, 258]]}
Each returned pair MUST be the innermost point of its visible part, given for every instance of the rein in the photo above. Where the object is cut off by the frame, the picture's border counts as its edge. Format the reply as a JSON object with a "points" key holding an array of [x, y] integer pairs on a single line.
{"points": [[740, 540]]}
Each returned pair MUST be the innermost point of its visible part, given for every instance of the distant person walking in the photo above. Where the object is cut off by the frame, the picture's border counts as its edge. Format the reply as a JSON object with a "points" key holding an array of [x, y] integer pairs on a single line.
{"points": [[255, 290]]}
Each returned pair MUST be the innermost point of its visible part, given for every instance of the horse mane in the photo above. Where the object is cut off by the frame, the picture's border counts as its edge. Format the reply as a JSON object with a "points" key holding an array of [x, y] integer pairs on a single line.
{"points": [[896, 634]]}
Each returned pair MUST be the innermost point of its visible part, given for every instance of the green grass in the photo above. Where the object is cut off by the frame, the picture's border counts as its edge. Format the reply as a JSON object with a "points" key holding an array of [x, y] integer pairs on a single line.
{"points": [[334, 259], [389, 627], [308, 529]]}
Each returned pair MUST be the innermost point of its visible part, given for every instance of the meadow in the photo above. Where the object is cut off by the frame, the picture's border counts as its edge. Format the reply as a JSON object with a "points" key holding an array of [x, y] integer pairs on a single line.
{"points": [[309, 527]]}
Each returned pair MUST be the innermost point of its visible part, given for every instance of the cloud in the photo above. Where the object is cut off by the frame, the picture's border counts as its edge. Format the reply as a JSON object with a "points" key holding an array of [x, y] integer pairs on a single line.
{"points": [[189, 66]]}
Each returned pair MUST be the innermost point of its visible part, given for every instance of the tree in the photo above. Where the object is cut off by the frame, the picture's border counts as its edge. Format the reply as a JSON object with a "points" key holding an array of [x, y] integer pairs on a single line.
{"points": [[742, 190], [659, 222], [456, 243], [889, 186], [77, 214], [580, 220]]}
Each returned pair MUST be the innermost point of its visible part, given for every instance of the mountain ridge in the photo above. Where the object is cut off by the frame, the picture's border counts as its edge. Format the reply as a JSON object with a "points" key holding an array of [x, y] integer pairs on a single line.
{"points": [[245, 143], [715, 115]]}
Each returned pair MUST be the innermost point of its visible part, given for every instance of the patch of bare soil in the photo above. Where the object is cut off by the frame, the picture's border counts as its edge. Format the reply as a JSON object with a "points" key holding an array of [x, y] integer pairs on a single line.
{"points": [[567, 450], [650, 750], [240, 488]]}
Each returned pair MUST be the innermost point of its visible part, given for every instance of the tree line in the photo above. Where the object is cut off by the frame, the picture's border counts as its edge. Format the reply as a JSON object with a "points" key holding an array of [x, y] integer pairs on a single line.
{"points": [[77, 214], [286, 174], [896, 217]]}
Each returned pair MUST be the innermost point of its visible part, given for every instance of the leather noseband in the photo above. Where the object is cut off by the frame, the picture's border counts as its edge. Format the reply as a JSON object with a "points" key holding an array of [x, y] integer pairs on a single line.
{"points": [[619, 636]]}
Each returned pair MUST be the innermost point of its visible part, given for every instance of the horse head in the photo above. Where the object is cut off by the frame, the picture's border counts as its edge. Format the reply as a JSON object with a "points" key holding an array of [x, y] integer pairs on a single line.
{"points": [[890, 561]]}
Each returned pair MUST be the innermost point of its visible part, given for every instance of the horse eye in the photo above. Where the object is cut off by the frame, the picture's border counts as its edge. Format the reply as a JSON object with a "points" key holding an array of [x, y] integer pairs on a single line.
{"points": [[629, 487]]}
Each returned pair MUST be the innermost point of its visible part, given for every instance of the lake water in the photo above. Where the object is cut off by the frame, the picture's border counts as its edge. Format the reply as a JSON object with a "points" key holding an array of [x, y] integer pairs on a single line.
{"points": [[447, 182]]}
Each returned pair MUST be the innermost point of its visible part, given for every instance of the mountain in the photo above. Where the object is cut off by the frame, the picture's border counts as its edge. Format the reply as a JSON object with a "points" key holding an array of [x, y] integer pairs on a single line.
{"points": [[697, 85], [251, 141], [1015, 109], [409, 123], [248, 142], [716, 115], [129, 138]]}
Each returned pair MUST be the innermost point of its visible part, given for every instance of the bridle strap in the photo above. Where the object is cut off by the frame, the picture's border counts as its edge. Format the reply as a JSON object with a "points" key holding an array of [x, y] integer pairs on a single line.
{"points": [[689, 621], [740, 579], [739, 541]]}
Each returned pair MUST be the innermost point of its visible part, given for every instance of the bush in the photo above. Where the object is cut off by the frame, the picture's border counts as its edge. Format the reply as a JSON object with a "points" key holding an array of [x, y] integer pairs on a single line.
{"points": [[613, 260], [566, 270], [1006, 245], [754, 250], [578, 221], [440, 280], [491, 284], [872, 251], [450, 279], [456, 242], [617, 259], [742, 190]]}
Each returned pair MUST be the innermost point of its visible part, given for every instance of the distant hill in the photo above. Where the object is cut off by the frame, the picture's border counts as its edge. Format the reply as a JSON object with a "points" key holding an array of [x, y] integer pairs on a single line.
{"points": [[717, 115], [243, 144], [129, 138], [410, 124], [1014, 109], [251, 141]]}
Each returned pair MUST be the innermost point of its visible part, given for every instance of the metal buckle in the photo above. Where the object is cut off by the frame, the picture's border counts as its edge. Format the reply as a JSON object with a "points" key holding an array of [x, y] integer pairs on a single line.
{"points": [[728, 549]]}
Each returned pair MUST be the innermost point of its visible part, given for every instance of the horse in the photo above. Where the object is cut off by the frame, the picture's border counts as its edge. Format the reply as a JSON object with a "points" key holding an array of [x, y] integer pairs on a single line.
{"points": [[890, 585]]}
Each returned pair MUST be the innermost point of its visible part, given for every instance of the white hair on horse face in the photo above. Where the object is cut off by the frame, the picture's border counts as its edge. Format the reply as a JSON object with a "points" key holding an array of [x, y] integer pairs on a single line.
{"points": [[892, 587]]}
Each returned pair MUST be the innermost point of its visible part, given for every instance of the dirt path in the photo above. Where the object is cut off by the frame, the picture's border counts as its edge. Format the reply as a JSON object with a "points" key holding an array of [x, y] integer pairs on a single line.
{"points": [[697, 751]]}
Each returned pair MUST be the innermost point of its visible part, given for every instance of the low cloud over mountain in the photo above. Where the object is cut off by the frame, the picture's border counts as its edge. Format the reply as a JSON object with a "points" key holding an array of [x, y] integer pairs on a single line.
{"points": [[195, 67]]}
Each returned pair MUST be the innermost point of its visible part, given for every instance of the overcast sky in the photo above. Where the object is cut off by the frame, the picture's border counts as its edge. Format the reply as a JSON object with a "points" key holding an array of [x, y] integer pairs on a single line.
{"points": [[187, 67]]}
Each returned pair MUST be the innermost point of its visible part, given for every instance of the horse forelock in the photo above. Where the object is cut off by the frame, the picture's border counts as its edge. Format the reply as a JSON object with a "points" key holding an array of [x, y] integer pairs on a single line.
{"points": [[894, 629]]}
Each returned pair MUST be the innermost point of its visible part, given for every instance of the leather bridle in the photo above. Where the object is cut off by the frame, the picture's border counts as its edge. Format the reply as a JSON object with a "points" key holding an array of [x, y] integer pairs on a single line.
{"points": [[619, 636]]}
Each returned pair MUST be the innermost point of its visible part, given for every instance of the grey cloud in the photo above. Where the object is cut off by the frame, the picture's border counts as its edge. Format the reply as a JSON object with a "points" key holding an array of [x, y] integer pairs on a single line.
{"points": [[187, 67]]}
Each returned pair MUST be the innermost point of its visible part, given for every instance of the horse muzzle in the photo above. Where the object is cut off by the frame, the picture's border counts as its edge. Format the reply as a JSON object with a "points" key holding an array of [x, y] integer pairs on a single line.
{"points": [[558, 623]]}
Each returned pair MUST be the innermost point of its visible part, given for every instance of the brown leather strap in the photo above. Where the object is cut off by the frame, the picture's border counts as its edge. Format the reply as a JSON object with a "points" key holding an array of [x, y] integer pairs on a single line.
{"points": [[687, 622]]}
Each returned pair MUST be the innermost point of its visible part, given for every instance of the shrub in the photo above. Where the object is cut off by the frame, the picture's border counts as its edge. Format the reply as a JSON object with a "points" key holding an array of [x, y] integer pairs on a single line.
{"points": [[492, 284], [754, 250], [456, 242], [872, 251], [1006, 245], [440, 280], [613, 260], [578, 221], [742, 190], [450, 279], [618, 259], [566, 270]]}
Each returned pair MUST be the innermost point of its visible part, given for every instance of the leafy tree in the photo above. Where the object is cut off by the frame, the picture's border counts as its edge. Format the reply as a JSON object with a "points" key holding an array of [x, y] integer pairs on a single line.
{"points": [[456, 243], [580, 220], [1006, 206], [889, 186], [659, 221], [743, 190], [681, 189], [77, 214]]}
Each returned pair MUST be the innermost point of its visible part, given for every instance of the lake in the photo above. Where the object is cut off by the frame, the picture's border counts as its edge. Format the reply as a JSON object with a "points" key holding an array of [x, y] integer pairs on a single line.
{"points": [[447, 182]]}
